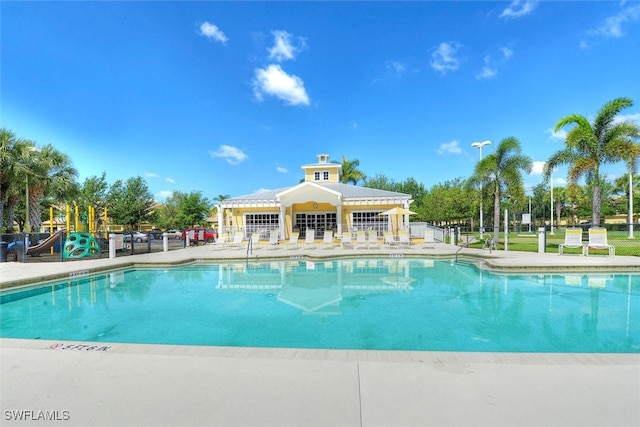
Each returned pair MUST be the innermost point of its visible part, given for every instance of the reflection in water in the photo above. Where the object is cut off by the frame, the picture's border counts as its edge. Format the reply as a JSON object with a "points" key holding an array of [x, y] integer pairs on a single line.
{"points": [[318, 287], [394, 303]]}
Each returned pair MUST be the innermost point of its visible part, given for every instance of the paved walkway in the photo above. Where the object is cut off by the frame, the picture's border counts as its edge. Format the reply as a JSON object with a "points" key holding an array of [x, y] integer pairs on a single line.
{"points": [[118, 384]]}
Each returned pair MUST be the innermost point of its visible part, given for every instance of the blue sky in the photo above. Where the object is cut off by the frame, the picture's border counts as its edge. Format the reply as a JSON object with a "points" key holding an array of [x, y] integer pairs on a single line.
{"points": [[233, 97]]}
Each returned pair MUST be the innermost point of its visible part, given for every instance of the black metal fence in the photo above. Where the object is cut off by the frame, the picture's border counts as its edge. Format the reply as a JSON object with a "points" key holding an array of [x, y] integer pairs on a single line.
{"points": [[43, 247]]}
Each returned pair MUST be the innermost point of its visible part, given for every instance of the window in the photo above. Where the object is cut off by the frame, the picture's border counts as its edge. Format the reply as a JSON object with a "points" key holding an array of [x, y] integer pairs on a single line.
{"points": [[319, 222], [261, 223], [369, 221], [321, 176]]}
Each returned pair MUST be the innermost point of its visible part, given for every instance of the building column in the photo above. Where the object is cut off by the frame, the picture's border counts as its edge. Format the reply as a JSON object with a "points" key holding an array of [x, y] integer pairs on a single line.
{"points": [[281, 221], [339, 218], [220, 220]]}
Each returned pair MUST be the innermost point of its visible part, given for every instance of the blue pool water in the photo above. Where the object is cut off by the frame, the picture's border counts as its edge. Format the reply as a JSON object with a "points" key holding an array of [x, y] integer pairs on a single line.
{"points": [[383, 304]]}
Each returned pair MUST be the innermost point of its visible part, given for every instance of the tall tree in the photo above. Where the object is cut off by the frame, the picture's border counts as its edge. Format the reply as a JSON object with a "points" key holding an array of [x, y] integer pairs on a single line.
{"points": [[192, 209], [48, 171], [350, 172], [588, 146], [131, 202], [12, 171], [501, 172]]}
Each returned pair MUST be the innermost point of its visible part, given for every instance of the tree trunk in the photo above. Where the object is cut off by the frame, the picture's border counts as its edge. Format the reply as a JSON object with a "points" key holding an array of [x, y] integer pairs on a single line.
{"points": [[595, 217], [35, 195], [496, 215]]}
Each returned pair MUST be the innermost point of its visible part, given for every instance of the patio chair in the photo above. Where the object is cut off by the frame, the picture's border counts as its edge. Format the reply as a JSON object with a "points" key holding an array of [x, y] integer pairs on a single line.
{"points": [[293, 241], [345, 242], [361, 239], [327, 239], [372, 241], [236, 243], [598, 240], [309, 238], [274, 239], [389, 239], [221, 242], [255, 241], [572, 239], [404, 239], [429, 238]]}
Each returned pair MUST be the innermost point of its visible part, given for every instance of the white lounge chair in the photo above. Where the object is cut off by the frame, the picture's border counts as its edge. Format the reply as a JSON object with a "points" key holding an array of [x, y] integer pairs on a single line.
{"points": [[404, 239], [327, 239], [389, 239], [293, 241], [361, 239], [429, 238], [598, 240], [345, 242], [236, 243], [309, 238], [372, 241], [572, 239], [221, 241], [255, 241], [274, 239]]}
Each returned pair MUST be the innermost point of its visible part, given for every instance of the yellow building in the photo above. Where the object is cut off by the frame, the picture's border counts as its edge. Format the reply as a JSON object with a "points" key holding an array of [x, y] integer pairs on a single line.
{"points": [[321, 202]]}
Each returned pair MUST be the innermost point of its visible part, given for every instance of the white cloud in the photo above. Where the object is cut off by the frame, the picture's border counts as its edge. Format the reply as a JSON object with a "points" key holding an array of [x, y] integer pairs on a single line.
{"points": [[275, 82], [519, 8], [397, 69], [283, 48], [232, 155], [444, 58], [164, 194], [537, 168], [561, 134], [487, 72], [450, 147], [170, 180], [151, 175], [489, 69], [212, 32], [627, 118], [612, 26], [281, 169]]}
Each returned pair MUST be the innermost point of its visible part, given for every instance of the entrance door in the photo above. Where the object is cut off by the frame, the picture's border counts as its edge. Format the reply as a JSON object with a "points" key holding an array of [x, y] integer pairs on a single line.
{"points": [[316, 221]]}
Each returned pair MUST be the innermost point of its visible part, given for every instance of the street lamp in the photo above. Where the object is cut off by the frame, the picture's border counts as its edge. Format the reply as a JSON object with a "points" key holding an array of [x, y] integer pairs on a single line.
{"points": [[479, 145], [551, 221]]}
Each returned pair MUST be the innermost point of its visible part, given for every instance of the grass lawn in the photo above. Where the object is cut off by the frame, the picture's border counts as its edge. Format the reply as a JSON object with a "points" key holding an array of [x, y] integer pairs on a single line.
{"points": [[529, 243]]}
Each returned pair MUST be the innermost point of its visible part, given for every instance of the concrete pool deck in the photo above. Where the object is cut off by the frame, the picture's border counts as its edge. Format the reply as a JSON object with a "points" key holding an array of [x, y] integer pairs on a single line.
{"points": [[122, 384]]}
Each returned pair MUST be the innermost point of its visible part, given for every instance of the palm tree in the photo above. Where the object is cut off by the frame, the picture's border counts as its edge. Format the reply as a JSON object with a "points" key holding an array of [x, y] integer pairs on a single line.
{"points": [[13, 170], [501, 173], [350, 171], [49, 171], [591, 145]]}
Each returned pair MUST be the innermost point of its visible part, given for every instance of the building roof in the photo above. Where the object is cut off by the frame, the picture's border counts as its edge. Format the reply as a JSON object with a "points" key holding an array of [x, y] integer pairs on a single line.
{"points": [[349, 193]]}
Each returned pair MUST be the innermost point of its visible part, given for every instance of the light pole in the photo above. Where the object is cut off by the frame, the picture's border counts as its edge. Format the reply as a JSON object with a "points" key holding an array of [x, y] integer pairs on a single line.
{"points": [[551, 182], [630, 204], [479, 145]]}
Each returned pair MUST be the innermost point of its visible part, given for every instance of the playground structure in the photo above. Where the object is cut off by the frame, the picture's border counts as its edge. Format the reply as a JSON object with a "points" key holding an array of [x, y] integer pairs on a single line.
{"points": [[80, 243]]}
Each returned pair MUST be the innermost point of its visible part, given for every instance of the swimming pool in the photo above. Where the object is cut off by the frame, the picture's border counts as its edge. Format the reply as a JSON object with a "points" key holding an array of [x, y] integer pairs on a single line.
{"points": [[381, 304]]}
